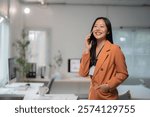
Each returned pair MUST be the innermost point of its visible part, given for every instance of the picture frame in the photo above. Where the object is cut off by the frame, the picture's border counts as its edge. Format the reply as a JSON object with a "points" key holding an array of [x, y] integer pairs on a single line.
{"points": [[73, 65]]}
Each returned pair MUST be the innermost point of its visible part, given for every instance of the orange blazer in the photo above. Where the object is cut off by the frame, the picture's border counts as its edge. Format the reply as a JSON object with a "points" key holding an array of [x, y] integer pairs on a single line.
{"points": [[110, 69]]}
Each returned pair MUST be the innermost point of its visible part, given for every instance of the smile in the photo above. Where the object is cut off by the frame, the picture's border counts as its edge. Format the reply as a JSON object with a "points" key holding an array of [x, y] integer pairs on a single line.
{"points": [[98, 33]]}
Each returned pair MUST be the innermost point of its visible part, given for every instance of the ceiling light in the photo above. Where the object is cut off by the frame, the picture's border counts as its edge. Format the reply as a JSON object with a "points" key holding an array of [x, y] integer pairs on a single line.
{"points": [[42, 2], [122, 39], [27, 10]]}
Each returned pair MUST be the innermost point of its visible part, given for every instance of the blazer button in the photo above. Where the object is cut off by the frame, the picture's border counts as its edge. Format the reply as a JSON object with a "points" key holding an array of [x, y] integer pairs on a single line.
{"points": [[102, 69]]}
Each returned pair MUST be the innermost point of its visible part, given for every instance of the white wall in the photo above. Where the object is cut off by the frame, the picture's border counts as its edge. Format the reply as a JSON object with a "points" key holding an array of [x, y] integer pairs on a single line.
{"points": [[4, 7], [69, 24], [16, 24]]}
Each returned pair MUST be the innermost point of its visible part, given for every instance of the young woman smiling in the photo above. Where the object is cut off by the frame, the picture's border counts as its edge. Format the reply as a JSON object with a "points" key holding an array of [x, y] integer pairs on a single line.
{"points": [[103, 61]]}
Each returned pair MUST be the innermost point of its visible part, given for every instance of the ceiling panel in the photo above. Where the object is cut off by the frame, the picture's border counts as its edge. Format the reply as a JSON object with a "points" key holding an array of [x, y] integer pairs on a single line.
{"points": [[91, 2]]}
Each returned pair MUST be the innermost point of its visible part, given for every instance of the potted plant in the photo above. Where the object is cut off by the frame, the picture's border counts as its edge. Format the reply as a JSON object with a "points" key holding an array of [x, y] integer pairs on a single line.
{"points": [[55, 68], [21, 46]]}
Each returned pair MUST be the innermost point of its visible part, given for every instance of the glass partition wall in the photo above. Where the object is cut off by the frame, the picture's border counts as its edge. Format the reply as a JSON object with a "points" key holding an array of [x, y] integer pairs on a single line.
{"points": [[4, 50], [39, 50], [135, 43]]}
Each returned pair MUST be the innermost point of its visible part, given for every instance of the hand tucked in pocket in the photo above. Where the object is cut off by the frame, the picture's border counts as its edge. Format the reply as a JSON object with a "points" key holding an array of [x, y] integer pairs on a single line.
{"points": [[104, 88]]}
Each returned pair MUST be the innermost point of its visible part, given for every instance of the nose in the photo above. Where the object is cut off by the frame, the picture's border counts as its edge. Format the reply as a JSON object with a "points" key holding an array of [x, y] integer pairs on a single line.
{"points": [[97, 29]]}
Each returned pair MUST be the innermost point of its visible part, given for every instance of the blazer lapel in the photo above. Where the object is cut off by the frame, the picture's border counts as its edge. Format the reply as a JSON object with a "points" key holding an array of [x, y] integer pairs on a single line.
{"points": [[102, 56]]}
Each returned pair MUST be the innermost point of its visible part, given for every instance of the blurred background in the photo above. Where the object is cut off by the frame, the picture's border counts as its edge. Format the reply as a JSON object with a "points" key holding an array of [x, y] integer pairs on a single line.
{"points": [[56, 30]]}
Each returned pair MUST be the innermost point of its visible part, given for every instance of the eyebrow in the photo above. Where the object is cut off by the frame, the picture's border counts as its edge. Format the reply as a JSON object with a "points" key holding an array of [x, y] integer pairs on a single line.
{"points": [[100, 24]]}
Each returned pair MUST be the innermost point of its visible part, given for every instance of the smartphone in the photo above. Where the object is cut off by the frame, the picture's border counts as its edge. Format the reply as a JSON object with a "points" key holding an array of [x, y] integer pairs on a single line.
{"points": [[91, 39]]}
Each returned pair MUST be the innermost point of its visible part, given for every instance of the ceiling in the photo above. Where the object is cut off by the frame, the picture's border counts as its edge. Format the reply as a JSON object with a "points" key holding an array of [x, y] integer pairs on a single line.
{"points": [[90, 2]]}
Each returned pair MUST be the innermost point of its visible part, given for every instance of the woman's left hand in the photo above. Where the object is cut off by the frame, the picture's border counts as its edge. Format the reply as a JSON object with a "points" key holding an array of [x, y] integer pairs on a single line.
{"points": [[105, 88]]}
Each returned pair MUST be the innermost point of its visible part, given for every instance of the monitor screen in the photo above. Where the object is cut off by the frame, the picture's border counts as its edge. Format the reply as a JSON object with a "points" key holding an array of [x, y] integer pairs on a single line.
{"points": [[12, 68], [73, 65]]}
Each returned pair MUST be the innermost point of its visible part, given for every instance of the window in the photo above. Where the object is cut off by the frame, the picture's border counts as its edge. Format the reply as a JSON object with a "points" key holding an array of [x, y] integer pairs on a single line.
{"points": [[135, 43], [4, 50], [39, 48]]}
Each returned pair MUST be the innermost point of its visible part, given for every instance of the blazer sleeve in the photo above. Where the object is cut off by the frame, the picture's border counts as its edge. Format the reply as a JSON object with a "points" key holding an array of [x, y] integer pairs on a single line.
{"points": [[121, 69], [84, 65]]}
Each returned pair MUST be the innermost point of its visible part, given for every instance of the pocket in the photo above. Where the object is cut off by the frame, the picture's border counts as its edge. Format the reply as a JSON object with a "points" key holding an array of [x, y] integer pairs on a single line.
{"points": [[103, 95], [113, 95]]}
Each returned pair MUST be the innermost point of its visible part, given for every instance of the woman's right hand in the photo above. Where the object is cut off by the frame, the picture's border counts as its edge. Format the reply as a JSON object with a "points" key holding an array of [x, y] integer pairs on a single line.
{"points": [[87, 44]]}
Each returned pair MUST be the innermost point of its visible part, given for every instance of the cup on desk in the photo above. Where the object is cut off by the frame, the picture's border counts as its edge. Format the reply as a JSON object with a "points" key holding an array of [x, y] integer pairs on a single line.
{"points": [[43, 90], [43, 71]]}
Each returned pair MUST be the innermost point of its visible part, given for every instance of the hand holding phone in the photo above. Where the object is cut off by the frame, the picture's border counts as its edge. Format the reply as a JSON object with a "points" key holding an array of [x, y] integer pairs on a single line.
{"points": [[88, 41]]}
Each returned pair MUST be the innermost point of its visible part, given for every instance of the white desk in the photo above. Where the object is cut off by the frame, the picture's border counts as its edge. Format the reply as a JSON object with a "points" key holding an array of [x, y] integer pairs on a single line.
{"points": [[71, 86], [15, 91], [31, 92], [37, 79], [33, 96], [19, 88], [66, 88], [81, 86]]}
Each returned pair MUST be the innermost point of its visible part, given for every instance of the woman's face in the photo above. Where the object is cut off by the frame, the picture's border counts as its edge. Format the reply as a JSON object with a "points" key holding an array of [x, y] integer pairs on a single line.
{"points": [[100, 29]]}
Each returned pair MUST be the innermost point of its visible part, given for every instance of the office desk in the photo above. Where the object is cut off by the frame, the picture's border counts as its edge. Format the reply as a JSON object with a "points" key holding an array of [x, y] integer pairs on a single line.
{"points": [[62, 88], [19, 88], [33, 96], [25, 92], [80, 86], [38, 79]]}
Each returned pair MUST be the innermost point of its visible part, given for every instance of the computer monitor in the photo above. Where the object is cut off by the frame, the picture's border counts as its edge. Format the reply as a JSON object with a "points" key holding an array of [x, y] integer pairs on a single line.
{"points": [[73, 65], [12, 68]]}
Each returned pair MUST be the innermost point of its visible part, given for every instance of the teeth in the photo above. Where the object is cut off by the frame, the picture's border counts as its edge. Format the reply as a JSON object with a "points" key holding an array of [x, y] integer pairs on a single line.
{"points": [[98, 33]]}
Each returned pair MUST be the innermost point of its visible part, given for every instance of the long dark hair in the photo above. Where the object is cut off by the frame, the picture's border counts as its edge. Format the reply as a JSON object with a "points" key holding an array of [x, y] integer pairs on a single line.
{"points": [[94, 41]]}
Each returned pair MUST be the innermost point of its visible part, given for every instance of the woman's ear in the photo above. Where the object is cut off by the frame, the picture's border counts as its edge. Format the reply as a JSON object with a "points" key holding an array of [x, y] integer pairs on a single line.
{"points": [[107, 33]]}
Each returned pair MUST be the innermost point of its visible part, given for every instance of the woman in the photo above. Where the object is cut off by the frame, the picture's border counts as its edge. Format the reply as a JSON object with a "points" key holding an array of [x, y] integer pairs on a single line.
{"points": [[103, 61]]}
